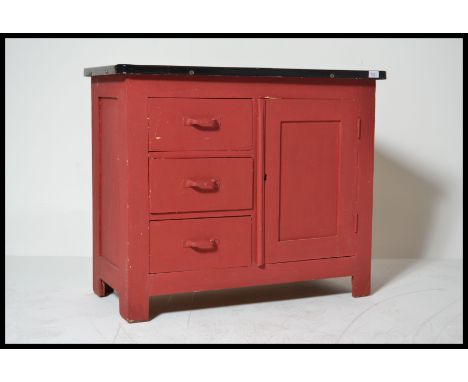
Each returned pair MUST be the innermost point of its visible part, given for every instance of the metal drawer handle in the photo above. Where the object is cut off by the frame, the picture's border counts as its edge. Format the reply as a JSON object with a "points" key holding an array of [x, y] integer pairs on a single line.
{"points": [[203, 123], [206, 185], [202, 245]]}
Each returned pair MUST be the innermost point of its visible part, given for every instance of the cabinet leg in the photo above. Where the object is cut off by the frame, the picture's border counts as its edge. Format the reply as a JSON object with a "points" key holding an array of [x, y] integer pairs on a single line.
{"points": [[361, 285], [101, 288], [134, 309]]}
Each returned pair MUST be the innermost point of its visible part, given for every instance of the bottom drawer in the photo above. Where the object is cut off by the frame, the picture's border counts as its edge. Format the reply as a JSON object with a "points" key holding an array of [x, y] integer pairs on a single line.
{"points": [[194, 244]]}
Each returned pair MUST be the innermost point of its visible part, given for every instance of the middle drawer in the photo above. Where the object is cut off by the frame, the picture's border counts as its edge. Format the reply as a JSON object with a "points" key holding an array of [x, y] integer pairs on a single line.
{"points": [[200, 184]]}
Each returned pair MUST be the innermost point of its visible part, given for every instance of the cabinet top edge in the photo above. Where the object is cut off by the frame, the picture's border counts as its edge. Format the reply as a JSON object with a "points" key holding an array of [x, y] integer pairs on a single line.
{"points": [[127, 69]]}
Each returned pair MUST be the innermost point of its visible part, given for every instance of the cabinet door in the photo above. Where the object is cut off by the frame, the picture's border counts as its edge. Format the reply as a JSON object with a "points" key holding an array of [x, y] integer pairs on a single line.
{"points": [[310, 187]]}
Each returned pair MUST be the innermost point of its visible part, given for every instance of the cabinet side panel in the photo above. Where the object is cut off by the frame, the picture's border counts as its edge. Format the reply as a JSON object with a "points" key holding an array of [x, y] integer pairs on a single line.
{"points": [[110, 136], [120, 193], [109, 191]]}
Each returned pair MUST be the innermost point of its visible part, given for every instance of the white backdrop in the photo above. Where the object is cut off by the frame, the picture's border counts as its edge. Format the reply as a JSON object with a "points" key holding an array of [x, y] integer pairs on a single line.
{"points": [[418, 167]]}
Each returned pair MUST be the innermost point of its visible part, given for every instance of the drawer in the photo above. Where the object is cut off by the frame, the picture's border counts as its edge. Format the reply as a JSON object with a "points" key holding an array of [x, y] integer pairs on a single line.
{"points": [[200, 184], [180, 124], [194, 244]]}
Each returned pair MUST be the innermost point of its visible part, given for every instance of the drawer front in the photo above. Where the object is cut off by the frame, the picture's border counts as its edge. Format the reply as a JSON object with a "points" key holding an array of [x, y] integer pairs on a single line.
{"points": [[195, 244], [200, 184], [180, 124]]}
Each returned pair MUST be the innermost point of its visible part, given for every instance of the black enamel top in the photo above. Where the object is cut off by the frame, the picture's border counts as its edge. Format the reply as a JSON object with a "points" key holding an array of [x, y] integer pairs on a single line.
{"points": [[127, 69]]}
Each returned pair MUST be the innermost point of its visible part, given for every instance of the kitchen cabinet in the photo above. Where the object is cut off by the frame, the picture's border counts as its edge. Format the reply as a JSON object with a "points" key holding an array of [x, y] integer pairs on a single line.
{"points": [[211, 178]]}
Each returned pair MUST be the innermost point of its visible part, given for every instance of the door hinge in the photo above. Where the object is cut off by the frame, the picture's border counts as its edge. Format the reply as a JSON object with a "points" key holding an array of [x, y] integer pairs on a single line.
{"points": [[356, 223], [358, 128]]}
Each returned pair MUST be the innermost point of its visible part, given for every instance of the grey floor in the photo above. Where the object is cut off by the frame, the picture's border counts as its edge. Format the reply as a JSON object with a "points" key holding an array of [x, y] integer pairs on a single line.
{"points": [[50, 300]]}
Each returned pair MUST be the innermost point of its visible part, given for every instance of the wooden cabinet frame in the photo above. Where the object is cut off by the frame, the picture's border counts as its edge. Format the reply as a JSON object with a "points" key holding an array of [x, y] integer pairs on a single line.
{"points": [[121, 206]]}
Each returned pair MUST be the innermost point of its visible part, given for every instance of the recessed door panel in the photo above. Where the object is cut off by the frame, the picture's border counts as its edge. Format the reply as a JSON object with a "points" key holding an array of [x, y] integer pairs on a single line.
{"points": [[310, 162], [308, 179]]}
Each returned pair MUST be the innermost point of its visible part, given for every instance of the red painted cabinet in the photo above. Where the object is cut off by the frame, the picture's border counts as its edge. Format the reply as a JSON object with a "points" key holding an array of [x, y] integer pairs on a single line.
{"points": [[212, 178]]}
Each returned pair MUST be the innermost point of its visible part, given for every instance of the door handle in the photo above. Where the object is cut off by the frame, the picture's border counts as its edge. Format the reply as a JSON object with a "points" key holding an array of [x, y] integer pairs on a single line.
{"points": [[202, 245], [203, 123], [206, 185]]}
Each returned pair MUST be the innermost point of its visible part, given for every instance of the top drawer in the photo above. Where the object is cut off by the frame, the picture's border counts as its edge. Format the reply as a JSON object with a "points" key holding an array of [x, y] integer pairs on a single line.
{"points": [[182, 124]]}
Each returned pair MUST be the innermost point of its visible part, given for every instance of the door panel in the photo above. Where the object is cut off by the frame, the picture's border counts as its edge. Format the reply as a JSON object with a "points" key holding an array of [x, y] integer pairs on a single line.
{"points": [[310, 157], [308, 209]]}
